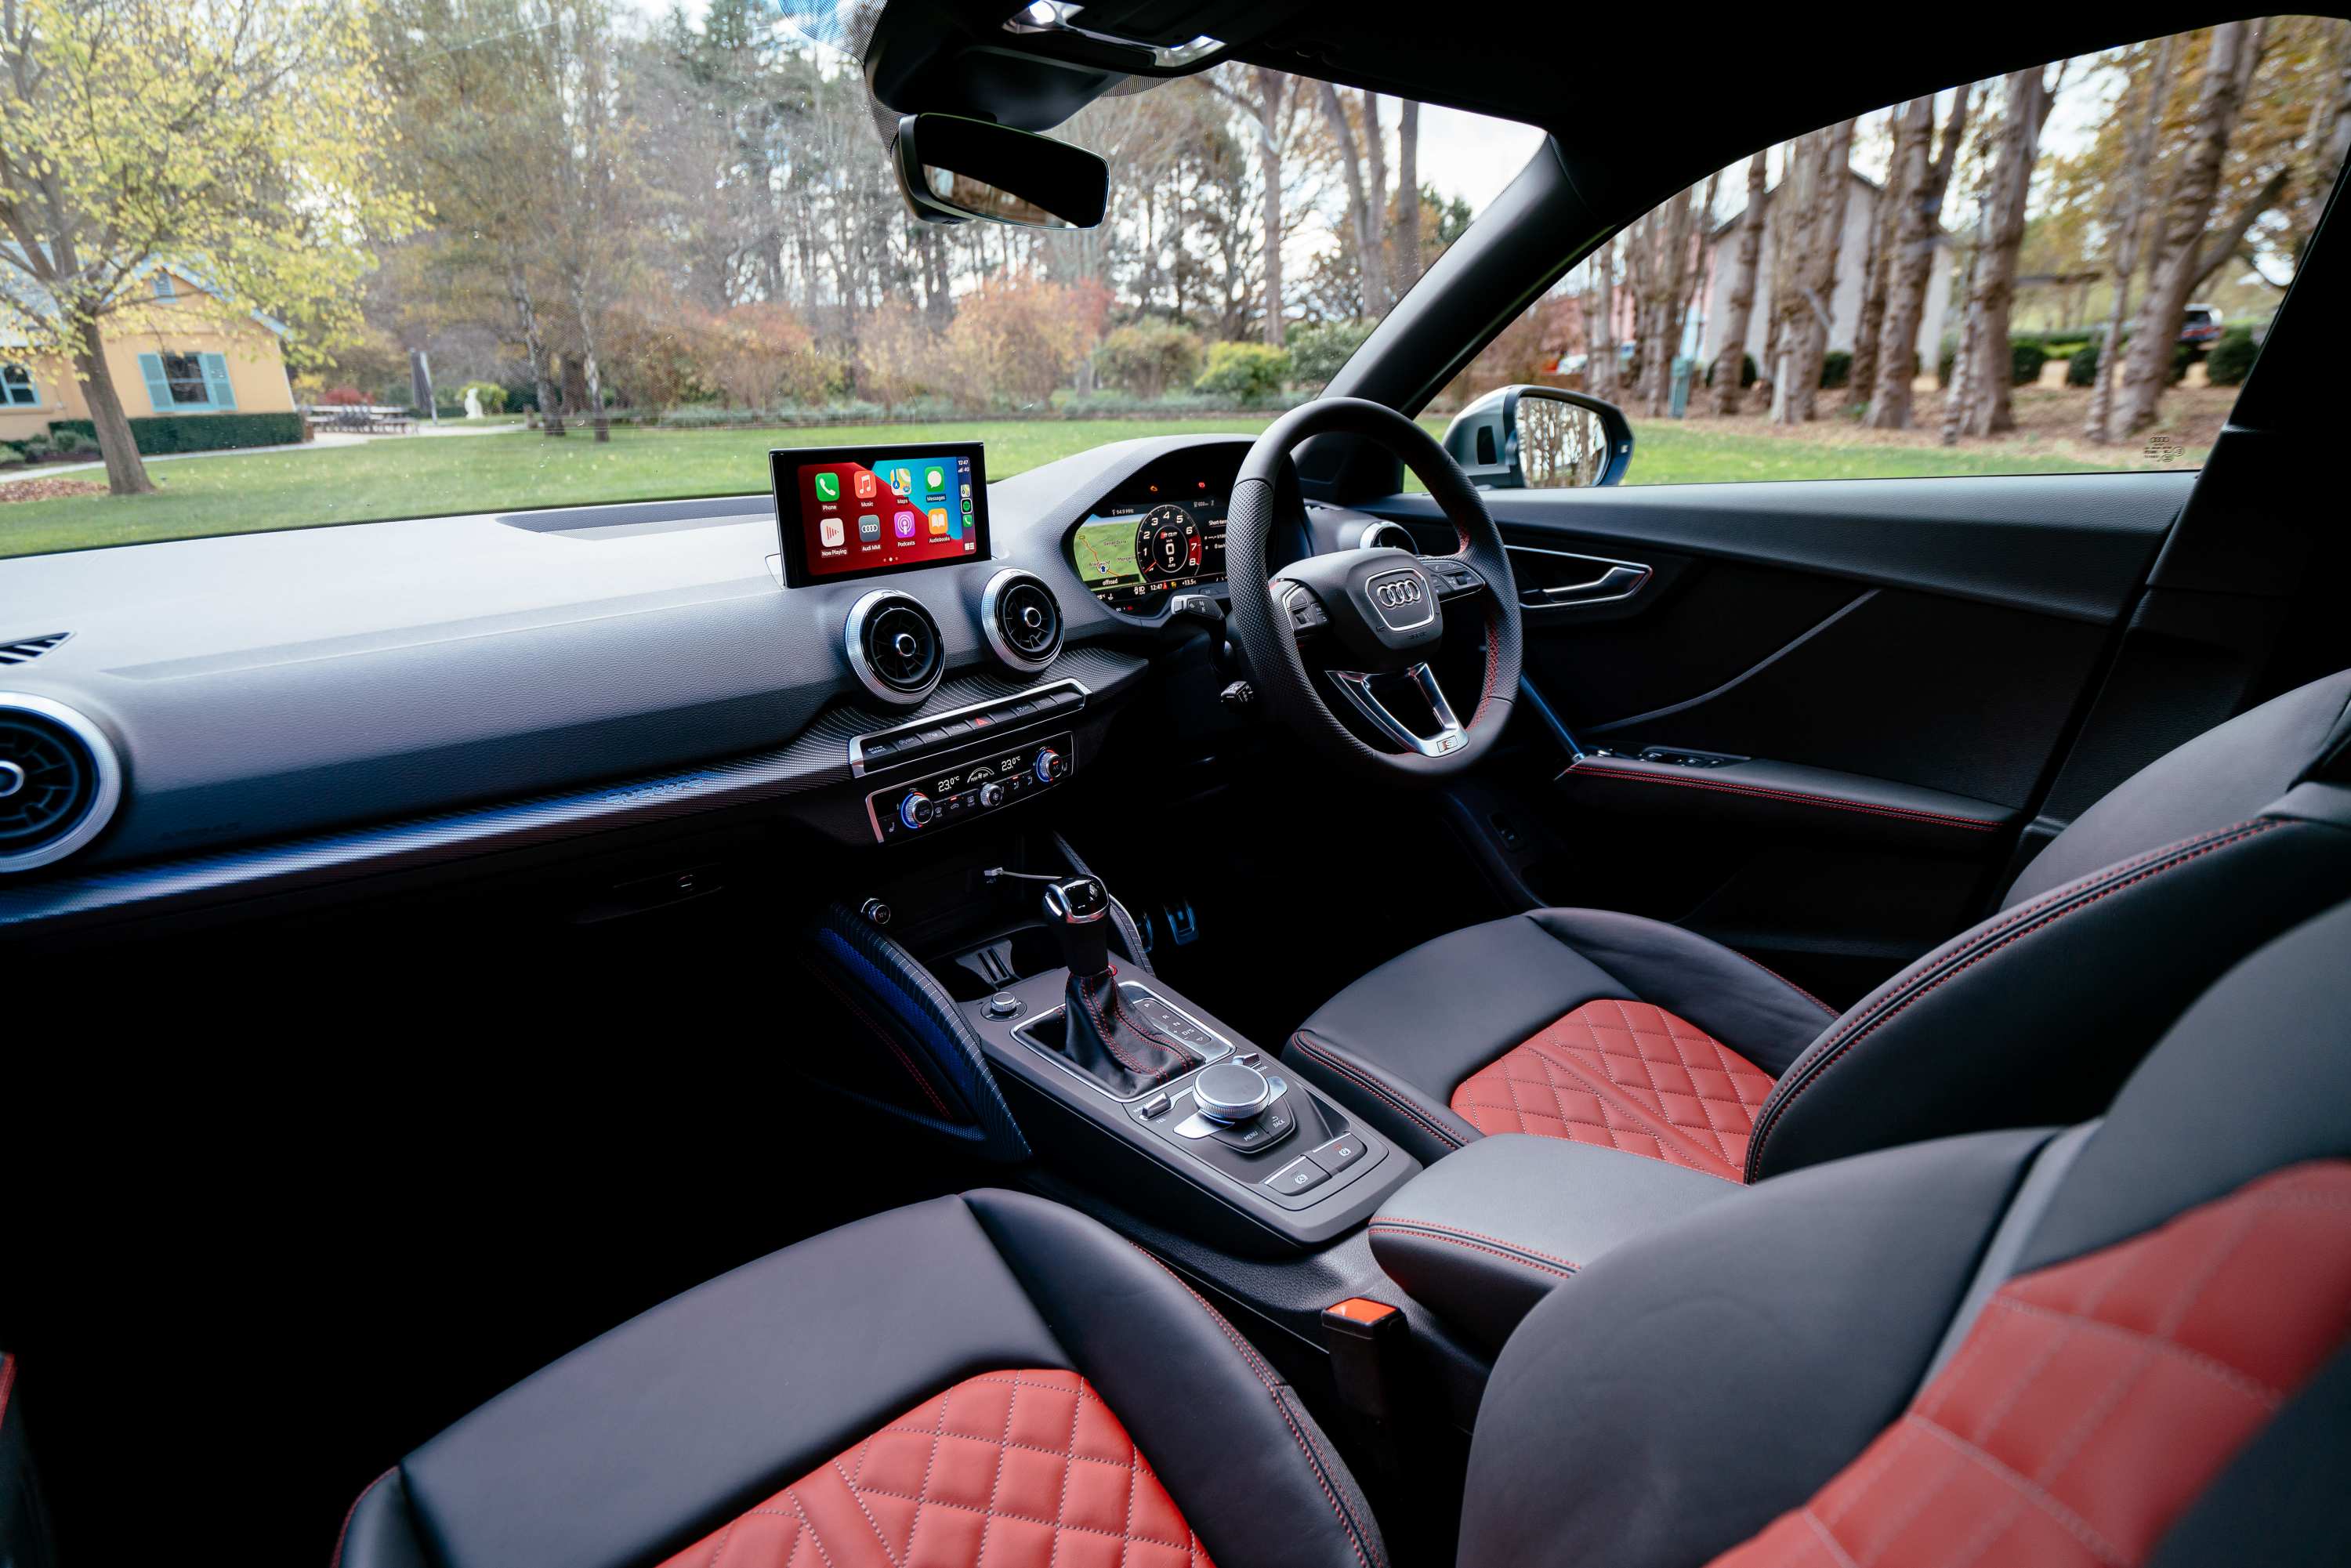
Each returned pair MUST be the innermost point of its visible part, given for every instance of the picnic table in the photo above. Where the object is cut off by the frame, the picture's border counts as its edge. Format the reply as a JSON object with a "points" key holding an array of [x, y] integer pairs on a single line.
{"points": [[361, 419]]}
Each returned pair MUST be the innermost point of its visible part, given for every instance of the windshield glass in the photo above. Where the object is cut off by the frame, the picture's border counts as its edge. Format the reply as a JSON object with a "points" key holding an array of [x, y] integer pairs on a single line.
{"points": [[327, 261]]}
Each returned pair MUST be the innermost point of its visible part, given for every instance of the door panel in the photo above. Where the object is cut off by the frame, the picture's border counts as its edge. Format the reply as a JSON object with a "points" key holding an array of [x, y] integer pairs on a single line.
{"points": [[1865, 646]]}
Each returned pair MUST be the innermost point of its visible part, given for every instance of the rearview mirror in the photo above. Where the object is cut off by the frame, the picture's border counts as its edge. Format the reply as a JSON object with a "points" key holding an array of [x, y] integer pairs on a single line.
{"points": [[954, 169], [1539, 438]]}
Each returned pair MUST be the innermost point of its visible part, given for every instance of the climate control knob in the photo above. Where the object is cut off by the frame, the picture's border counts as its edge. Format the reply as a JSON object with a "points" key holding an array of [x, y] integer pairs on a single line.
{"points": [[1050, 767], [991, 796], [916, 811]]}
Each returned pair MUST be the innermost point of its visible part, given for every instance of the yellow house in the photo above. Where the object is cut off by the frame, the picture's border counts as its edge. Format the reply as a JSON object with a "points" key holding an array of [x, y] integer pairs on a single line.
{"points": [[179, 349]]}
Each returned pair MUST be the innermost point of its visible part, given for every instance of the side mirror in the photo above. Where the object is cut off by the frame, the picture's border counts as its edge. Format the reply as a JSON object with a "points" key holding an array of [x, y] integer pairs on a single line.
{"points": [[954, 169], [1539, 438]]}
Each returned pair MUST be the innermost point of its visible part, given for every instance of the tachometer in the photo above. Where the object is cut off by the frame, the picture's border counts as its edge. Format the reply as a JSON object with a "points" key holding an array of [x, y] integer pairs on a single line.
{"points": [[1167, 544]]}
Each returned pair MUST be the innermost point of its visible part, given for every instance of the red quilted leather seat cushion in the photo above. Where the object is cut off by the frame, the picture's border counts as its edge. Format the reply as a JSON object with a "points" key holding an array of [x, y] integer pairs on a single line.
{"points": [[1629, 1076], [1008, 1469], [2094, 1400]]}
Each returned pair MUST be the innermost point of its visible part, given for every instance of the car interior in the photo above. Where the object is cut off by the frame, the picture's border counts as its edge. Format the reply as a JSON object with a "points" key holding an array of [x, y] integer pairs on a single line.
{"points": [[1297, 1000]]}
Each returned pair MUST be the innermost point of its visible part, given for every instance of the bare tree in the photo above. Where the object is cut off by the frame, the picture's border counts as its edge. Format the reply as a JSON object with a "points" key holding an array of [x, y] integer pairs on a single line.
{"points": [[1916, 185], [1989, 407], [1365, 161], [1600, 359], [1884, 221], [1731, 358], [1263, 105], [2129, 218], [1665, 263], [1821, 234], [2186, 253], [1407, 196]]}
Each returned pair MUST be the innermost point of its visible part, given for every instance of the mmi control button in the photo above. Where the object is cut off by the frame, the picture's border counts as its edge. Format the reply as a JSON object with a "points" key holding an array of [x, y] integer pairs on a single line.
{"points": [[1301, 1175]]}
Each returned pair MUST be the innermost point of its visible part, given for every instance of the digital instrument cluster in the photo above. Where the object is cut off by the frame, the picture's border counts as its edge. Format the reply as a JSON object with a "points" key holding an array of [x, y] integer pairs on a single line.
{"points": [[1163, 533]]}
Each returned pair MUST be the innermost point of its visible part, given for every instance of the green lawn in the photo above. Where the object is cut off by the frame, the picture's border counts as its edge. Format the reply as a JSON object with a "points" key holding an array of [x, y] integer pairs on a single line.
{"points": [[424, 476]]}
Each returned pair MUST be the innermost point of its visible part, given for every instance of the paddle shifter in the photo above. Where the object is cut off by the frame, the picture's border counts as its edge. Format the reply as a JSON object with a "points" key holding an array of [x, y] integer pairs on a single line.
{"points": [[1104, 1038]]}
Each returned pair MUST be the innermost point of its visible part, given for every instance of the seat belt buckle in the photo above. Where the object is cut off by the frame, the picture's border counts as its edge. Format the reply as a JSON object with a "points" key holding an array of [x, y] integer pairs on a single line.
{"points": [[1365, 1339]]}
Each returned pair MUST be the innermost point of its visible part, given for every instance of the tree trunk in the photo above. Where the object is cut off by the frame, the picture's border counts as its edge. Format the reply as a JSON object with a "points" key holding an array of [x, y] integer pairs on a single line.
{"points": [[550, 401], [1990, 408], [1885, 222], [1361, 207], [2130, 213], [2179, 261], [1407, 196], [589, 371], [126, 471], [1823, 238], [1269, 84], [1600, 355], [1963, 364], [1912, 265], [1730, 359]]}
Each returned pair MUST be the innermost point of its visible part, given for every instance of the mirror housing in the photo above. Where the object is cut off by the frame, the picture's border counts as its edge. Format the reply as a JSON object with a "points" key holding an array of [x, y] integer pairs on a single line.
{"points": [[1540, 438], [954, 169]]}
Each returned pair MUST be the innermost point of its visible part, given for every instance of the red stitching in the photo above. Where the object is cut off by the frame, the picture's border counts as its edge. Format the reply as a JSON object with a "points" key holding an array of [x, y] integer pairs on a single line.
{"points": [[1273, 1386], [1109, 1035], [1429, 1231], [353, 1512], [1831, 802], [1330, 1060], [1968, 956], [1791, 985]]}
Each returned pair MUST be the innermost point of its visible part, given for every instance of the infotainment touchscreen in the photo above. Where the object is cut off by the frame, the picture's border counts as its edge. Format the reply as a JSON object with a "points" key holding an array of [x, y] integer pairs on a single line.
{"points": [[863, 511]]}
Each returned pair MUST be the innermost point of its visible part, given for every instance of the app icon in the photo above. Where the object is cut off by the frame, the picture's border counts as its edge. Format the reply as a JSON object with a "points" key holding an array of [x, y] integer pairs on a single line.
{"points": [[934, 480], [938, 522], [869, 528], [902, 481], [865, 484], [966, 505], [966, 488], [905, 521], [828, 487], [828, 531]]}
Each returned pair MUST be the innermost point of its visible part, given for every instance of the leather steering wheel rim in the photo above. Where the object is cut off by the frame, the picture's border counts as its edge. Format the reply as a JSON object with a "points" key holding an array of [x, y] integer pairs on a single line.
{"points": [[1263, 628]]}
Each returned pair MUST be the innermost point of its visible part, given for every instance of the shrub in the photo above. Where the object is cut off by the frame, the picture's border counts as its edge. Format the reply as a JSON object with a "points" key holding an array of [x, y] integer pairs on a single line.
{"points": [[2025, 358], [163, 434], [1146, 358], [2081, 370], [521, 397], [344, 397], [2182, 356], [1247, 373], [11, 455], [1836, 368], [2231, 358], [493, 396], [39, 447], [1016, 339], [1747, 371], [69, 441], [1316, 352]]}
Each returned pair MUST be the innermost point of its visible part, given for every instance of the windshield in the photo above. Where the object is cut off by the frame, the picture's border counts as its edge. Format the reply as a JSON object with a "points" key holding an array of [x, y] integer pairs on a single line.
{"points": [[430, 257]]}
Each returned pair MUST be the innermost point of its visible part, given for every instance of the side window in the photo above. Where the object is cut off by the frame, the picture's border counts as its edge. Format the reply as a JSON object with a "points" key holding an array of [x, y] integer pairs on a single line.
{"points": [[2069, 269], [17, 387]]}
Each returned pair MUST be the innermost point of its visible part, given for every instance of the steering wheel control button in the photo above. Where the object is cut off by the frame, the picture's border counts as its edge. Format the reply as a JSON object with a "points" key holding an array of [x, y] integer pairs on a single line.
{"points": [[1339, 1153], [1003, 1005], [1229, 1092], [1301, 1175]]}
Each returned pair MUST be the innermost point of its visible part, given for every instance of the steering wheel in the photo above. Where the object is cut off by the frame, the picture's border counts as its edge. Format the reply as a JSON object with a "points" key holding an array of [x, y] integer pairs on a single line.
{"points": [[1369, 620]]}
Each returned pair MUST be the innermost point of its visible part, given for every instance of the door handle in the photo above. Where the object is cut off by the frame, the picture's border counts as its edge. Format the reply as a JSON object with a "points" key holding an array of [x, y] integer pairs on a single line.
{"points": [[1619, 582]]}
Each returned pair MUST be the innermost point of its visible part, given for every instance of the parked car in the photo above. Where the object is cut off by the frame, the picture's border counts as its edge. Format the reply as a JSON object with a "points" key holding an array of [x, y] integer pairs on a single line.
{"points": [[2201, 325]]}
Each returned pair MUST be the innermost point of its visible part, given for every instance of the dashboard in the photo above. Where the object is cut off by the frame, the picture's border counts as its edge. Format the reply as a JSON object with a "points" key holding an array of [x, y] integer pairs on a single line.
{"points": [[1158, 534]]}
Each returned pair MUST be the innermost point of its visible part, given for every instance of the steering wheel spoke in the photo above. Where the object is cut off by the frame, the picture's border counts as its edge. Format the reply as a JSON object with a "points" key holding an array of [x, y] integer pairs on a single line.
{"points": [[1451, 735]]}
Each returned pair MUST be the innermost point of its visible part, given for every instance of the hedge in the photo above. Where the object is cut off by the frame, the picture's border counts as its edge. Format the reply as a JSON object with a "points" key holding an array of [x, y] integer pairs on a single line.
{"points": [[2228, 362], [158, 436]]}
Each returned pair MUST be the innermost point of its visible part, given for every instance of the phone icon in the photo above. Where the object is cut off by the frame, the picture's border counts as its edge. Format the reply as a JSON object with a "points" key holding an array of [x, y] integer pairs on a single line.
{"points": [[934, 480], [906, 522], [938, 522], [865, 484], [828, 487], [868, 528], [831, 533]]}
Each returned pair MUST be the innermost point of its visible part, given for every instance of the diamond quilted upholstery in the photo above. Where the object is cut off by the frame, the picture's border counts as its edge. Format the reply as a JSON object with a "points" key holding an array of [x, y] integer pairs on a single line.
{"points": [[1625, 1076], [2094, 1400], [1007, 1469]]}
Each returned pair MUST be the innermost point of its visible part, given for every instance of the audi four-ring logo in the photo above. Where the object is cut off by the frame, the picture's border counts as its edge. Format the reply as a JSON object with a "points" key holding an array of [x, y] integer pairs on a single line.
{"points": [[1399, 593]]}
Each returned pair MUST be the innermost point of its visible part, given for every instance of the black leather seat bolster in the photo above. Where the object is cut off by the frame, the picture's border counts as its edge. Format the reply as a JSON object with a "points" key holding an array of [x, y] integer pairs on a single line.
{"points": [[1482, 1236], [662, 1430], [1710, 1373], [2039, 1015]]}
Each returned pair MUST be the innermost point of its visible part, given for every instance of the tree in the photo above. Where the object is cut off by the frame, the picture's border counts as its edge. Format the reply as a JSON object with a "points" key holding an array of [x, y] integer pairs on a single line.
{"points": [[237, 142], [1600, 359], [1263, 104], [1363, 158], [1980, 399], [2128, 217], [2186, 249], [1884, 221], [1915, 185], [1728, 392]]}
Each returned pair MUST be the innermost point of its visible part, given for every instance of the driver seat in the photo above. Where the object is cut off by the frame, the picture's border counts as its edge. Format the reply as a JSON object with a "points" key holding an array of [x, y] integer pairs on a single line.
{"points": [[1609, 1029]]}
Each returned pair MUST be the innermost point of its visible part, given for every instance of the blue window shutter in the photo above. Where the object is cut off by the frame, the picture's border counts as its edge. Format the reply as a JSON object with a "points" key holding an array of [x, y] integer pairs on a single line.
{"points": [[158, 390], [224, 396]]}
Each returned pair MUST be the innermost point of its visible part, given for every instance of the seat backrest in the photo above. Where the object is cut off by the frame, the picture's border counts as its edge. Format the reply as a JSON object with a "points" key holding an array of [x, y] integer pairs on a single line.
{"points": [[2038, 1014], [2122, 1343]]}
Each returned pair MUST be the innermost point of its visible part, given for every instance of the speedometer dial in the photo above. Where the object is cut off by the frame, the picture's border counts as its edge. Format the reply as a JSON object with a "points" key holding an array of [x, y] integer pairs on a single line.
{"points": [[1167, 544]]}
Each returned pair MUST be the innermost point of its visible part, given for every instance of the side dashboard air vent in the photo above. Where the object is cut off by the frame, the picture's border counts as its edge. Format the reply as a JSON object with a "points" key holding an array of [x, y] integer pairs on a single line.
{"points": [[1022, 620], [25, 649], [59, 781], [894, 647]]}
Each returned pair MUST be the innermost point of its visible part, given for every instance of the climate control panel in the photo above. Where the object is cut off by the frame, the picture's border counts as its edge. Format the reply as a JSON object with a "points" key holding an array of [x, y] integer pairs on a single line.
{"points": [[973, 787]]}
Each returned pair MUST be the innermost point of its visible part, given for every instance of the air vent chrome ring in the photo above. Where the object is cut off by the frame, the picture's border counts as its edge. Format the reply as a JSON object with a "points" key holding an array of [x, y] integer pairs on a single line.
{"points": [[66, 781], [1022, 618], [894, 647], [1381, 533]]}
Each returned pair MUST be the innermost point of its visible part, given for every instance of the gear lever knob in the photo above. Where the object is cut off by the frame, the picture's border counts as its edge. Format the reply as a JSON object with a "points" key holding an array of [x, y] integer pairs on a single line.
{"points": [[1077, 909]]}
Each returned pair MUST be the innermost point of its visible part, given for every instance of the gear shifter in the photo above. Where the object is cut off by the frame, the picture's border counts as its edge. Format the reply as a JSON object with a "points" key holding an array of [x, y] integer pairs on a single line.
{"points": [[1103, 1039]]}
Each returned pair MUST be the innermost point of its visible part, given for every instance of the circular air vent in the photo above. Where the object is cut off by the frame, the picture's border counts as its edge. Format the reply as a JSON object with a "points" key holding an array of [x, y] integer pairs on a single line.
{"points": [[59, 781], [1388, 535], [894, 647], [1022, 620]]}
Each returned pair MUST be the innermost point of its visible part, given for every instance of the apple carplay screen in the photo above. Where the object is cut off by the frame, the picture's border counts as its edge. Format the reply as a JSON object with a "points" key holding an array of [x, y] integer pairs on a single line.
{"points": [[866, 511]]}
